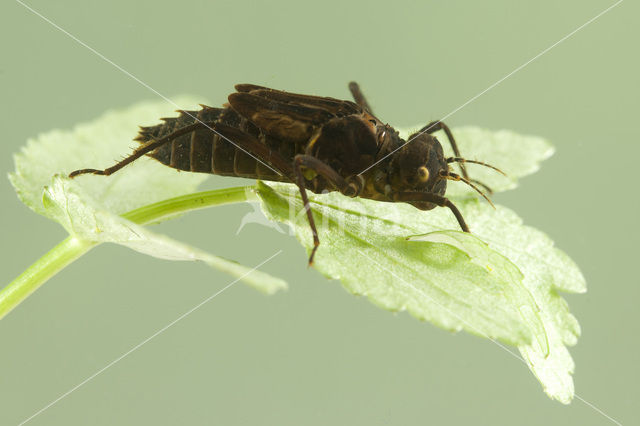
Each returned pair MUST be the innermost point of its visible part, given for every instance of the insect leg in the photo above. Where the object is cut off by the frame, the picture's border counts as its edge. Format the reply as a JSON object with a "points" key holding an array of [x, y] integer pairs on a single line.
{"points": [[139, 152], [254, 147], [309, 162], [359, 97], [240, 139], [433, 127], [433, 198]]}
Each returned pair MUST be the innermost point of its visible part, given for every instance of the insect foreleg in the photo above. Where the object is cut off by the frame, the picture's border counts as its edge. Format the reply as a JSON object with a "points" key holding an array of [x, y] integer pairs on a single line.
{"points": [[433, 198], [433, 127]]}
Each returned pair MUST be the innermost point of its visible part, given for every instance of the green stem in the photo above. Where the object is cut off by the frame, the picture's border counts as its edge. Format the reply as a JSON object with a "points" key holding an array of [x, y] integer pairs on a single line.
{"points": [[167, 209], [72, 248], [38, 273]]}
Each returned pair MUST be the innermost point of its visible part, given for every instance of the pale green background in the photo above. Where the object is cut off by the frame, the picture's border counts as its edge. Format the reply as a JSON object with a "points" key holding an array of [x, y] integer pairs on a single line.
{"points": [[316, 355]]}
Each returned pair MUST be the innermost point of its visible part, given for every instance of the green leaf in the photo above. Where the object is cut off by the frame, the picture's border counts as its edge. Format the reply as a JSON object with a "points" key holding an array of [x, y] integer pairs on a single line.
{"points": [[547, 271], [90, 207], [364, 244], [501, 282], [99, 144]]}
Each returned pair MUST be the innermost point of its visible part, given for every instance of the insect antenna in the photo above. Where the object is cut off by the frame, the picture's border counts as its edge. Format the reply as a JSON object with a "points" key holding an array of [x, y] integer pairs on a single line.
{"points": [[463, 160], [487, 188], [456, 177]]}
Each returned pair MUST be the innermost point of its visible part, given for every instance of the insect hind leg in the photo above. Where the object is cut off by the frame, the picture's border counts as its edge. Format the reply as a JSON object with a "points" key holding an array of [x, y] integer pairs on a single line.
{"points": [[236, 137], [144, 149]]}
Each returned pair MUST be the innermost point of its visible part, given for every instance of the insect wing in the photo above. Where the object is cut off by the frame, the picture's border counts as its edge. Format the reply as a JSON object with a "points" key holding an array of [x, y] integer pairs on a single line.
{"points": [[286, 121]]}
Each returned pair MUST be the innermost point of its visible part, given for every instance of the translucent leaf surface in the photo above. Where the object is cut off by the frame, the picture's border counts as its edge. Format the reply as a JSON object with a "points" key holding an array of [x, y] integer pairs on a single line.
{"points": [[89, 207], [547, 271], [99, 144], [501, 282], [364, 244]]}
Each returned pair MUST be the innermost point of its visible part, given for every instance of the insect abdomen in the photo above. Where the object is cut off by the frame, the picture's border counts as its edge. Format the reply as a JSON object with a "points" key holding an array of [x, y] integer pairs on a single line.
{"points": [[206, 151]]}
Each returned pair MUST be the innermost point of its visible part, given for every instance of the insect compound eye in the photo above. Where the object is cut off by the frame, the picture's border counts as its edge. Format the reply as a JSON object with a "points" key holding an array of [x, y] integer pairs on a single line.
{"points": [[423, 174]]}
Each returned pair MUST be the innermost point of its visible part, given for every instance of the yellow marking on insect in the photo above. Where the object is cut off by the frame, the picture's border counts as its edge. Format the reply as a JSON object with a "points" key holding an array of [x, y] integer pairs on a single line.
{"points": [[423, 174], [309, 174], [314, 138]]}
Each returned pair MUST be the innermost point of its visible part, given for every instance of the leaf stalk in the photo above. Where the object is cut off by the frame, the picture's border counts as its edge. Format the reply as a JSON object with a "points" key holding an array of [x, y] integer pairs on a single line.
{"points": [[72, 248]]}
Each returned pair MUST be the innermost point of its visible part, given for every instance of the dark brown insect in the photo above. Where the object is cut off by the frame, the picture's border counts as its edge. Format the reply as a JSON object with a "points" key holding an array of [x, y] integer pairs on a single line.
{"points": [[319, 143]]}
